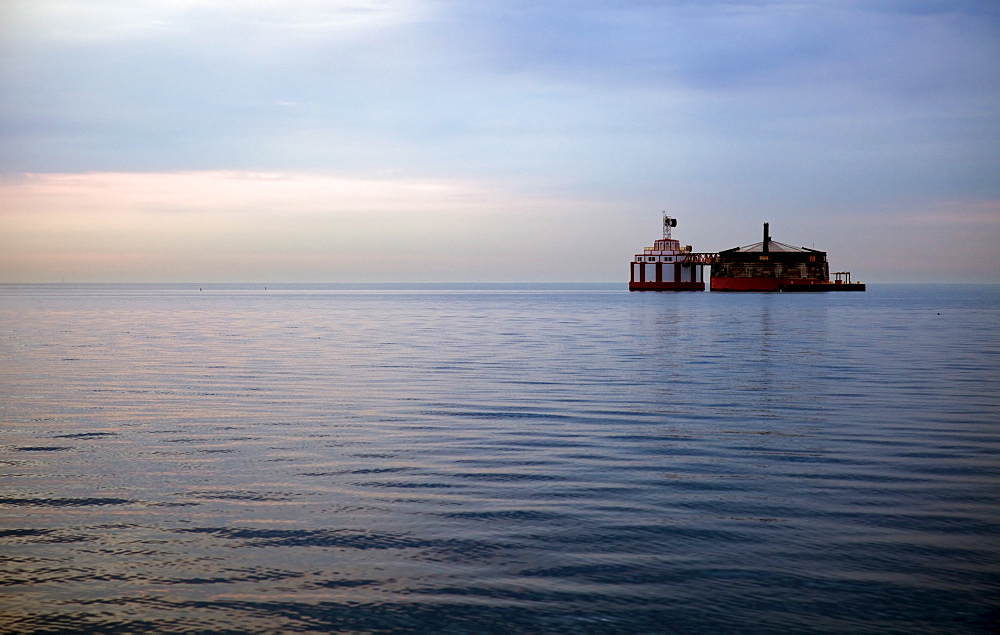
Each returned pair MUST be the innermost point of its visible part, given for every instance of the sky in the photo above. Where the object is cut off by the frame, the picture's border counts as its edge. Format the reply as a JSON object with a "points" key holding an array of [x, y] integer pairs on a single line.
{"points": [[493, 140]]}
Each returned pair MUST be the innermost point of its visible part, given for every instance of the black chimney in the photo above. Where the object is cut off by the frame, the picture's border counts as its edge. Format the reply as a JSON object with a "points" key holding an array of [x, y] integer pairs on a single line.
{"points": [[767, 239]]}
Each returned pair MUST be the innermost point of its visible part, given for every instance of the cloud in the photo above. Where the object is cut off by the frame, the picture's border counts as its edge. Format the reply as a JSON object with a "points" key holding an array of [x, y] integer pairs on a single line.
{"points": [[728, 113], [89, 21], [517, 86]]}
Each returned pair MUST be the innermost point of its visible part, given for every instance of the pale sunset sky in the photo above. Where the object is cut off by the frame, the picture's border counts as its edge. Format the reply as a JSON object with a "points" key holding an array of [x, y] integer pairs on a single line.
{"points": [[493, 140]]}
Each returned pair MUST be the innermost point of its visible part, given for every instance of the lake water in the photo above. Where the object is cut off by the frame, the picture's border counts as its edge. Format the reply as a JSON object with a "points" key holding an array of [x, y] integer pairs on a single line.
{"points": [[498, 459]]}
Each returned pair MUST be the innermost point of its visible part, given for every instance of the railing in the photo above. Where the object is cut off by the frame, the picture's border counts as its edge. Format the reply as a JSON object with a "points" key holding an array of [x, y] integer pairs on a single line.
{"points": [[701, 258], [689, 257]]}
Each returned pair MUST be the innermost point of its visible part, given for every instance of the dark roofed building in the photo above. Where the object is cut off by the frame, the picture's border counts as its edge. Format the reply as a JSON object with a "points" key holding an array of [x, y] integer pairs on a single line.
{"points": [[772, 266]]}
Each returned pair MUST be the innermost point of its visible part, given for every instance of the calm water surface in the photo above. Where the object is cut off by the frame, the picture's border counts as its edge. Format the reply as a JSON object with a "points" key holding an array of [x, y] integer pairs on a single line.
{"points": [[498, 460]]}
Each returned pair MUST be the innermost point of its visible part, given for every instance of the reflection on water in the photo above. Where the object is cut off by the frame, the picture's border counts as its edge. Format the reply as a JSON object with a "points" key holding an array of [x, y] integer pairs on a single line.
{"points": [[464, 461]]}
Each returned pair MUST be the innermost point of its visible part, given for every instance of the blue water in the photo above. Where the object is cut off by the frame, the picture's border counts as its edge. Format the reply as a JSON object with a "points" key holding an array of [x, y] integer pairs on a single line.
{"points": [[498, 459]]}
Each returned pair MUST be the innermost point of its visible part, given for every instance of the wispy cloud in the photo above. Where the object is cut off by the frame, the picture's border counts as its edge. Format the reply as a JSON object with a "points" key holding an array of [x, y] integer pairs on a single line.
{"points": [[246, 226]]}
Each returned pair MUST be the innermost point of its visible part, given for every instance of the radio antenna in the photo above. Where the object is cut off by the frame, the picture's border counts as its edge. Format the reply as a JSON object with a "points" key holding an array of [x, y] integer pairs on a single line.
{"points": [[668, 223]]}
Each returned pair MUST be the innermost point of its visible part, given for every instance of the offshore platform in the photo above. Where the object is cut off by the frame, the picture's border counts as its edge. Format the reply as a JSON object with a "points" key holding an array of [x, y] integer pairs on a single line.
{"points": [[767, 265], [666, 266]]}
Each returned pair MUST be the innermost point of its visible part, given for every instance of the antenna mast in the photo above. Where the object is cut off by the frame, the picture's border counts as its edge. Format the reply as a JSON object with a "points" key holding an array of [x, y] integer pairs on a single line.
{"points": [[668, 222]]}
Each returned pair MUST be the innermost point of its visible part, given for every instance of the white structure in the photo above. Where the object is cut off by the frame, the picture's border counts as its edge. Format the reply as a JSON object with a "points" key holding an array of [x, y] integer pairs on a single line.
{"points": [[666, 266]]}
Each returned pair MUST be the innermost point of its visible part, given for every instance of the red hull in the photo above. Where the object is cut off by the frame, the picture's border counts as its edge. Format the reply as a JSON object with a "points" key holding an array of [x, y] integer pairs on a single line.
{"points": [[780, 284], [666, 286]]}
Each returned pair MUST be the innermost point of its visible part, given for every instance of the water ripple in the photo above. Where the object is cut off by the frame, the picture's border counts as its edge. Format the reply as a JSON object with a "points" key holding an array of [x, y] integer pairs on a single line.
{"points": [[322, 460]]}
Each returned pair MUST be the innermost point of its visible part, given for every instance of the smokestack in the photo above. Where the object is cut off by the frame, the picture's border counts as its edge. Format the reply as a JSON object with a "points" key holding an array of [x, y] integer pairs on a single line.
{"points": [[767, 239]]}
